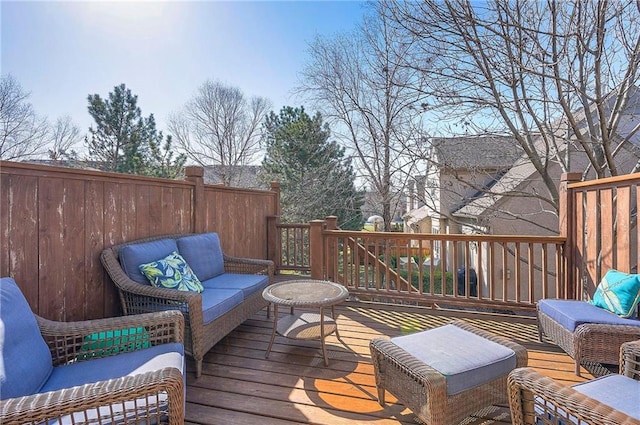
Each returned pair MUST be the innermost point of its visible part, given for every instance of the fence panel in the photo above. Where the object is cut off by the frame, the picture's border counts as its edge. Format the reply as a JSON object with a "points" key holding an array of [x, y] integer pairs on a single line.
{"points": [[606, 231], [55, 222]]}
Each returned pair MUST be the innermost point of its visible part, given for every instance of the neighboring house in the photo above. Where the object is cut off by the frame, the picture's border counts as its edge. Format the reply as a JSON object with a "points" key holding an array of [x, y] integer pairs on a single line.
{"points": [[456, 199], [245, 176], [511, 210], [460, 168]]}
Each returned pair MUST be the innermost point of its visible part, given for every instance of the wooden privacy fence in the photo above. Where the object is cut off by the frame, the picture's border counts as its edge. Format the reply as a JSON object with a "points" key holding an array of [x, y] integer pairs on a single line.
{"points": [[54, 223], [601, 219]]}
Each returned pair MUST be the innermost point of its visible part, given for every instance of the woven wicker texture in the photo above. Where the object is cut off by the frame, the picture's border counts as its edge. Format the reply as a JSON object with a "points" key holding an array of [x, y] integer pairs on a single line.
{"points": [[199, 337], [536, 399], [153, 397], [423, 389], [590, 342]]}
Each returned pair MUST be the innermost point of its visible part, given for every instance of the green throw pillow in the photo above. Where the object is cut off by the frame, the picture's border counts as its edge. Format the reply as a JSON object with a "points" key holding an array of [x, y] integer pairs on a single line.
{"points": [[618, 292], [107, 343], [172, 272]]}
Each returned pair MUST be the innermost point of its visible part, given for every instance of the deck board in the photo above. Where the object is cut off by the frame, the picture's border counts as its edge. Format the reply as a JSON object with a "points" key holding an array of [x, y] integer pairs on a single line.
{"points": [[239, 386]]}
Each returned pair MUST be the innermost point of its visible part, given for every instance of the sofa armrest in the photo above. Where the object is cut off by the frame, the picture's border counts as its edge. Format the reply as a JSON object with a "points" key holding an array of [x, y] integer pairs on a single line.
{"points": [[533, 395], [248, 266], [110, 399], [630, 359], [77, 341]]}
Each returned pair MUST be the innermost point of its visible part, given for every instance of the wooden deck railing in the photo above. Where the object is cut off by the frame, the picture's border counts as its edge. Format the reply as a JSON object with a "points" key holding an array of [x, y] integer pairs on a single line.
{"points": [[598, 231], [498, 272]]}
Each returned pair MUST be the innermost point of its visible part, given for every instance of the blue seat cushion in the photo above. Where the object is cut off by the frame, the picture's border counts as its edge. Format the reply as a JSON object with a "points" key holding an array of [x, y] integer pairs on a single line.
{"points": [[26, 362], [571, 313], [123, 364], [249, 284], [218, 301], [618, 391], [203, 253], [465, 359], [131, 256]]}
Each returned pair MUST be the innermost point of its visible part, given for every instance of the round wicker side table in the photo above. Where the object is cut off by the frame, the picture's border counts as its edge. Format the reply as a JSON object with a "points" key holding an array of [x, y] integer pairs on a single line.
{"points": [[305, 293]]}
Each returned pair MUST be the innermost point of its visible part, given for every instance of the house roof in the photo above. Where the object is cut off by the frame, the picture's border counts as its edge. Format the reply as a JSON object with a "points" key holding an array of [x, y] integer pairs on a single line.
{"points": [[245, 176], [523, 169], [476, 152], [417, 215]]}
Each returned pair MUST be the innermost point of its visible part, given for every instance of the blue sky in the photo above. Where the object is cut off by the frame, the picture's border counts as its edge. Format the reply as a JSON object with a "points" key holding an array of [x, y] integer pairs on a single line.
{"points": [[61, 52]]}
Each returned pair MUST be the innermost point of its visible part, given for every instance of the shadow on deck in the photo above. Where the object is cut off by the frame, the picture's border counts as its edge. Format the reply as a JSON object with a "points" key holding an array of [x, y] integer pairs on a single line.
{"points": [[239, 386]]}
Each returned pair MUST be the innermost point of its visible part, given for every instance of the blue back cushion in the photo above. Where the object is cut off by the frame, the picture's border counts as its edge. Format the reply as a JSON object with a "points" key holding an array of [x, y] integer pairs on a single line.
{"points": [[131, 256], [26, 360], [203, 253]]}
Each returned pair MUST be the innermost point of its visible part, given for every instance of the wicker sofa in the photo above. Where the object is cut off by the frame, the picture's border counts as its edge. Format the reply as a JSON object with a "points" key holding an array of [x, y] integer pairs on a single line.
{"points": [[612, 399], [114, 370], [585, 332], [232, 286]]}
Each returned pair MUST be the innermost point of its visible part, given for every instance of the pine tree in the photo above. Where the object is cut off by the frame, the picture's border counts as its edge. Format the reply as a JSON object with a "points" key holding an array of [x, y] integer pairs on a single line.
{"points": [[124, 141], [316, 179]]}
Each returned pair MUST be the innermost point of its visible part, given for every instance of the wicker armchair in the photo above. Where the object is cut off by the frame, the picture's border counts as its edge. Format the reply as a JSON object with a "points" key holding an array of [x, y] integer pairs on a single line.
{"points": [[536, 399], [152, 396], [585, 332], [200, 336]]}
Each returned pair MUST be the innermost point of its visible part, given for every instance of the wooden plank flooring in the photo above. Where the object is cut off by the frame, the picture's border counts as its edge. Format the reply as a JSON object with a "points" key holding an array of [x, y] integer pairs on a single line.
{"points": [[239, 386]]}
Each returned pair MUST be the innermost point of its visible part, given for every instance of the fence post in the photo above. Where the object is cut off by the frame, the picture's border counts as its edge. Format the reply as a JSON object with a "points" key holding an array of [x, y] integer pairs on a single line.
{"points": [[195, 175], [274, 241], [332, 248], [567, 227], [275, 187], [316, 249]]}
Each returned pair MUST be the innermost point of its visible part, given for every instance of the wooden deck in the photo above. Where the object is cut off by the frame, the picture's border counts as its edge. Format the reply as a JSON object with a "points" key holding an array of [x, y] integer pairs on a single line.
{"points": [[239, 386]]}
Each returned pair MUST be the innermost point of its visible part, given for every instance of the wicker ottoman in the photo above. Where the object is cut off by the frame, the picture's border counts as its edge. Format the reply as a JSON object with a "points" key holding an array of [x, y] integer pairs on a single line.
{"points": [[447, 373]]}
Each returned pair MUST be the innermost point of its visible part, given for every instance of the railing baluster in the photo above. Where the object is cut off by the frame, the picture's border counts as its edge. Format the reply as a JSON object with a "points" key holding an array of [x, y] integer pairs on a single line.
{"points": [[531, 266], [516, 266], [505, 271]]}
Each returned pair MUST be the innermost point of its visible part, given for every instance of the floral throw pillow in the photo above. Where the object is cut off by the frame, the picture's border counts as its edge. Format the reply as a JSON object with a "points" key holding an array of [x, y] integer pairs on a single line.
{"points": [[171, 272], [618, 292]]}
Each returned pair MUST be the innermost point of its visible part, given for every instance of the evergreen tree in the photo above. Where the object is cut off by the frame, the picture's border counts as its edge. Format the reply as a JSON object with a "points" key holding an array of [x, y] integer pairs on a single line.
{"points": [[316, 179], [124, 141], [162, 163]]}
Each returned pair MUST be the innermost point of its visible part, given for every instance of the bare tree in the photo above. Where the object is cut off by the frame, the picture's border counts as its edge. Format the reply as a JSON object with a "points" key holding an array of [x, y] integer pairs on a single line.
{"points": [[357, 82], [22, 132], [64, 136], [219, 126], [558, 76]]}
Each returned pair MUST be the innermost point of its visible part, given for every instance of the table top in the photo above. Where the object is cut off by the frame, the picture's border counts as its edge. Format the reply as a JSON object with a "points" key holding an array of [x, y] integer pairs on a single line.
{"points": [[305, 292]]}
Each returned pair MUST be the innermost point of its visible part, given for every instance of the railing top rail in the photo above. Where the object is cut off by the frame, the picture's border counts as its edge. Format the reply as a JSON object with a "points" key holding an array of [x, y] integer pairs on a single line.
{"points": [[622, 180], [447, 236]]}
